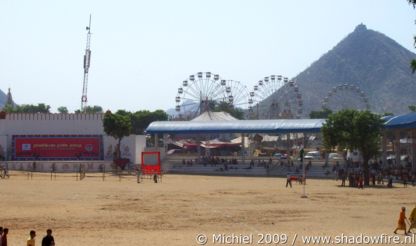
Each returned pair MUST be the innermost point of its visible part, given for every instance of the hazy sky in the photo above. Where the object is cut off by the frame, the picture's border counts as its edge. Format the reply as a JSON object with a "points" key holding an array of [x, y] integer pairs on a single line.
{"points": [[143, 50]]}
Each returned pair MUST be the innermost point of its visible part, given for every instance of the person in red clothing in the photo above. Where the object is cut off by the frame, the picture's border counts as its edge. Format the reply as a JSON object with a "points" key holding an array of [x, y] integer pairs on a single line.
{"points": [[401, 224], [4, 237], [360, 181]]}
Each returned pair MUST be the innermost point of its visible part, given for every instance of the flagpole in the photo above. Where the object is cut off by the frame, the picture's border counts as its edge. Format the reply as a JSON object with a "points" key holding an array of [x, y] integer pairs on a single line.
{"points": [[304, 174]]}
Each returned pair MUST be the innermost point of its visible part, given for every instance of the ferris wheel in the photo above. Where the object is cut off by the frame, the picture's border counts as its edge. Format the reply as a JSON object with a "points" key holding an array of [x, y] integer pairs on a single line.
{"points": [[237, 94], [275, 97], [346, 96], [200, 92]]}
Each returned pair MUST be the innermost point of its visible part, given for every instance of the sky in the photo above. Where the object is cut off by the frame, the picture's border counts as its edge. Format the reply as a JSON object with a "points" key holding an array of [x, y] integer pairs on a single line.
{"points": [[143, 50]]}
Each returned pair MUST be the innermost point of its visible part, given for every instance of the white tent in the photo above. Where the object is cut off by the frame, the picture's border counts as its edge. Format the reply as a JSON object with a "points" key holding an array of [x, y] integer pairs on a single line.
{"points": [[238, 141], [214, 116]]}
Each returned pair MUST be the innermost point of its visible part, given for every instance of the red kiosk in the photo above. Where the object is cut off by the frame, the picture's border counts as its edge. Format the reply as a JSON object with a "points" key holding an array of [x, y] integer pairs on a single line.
{"points": [[150, 167]]}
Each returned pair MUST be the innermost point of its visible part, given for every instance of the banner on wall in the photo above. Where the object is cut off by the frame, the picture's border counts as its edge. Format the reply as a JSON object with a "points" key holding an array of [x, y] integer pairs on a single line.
{"points": [[57, 147]]}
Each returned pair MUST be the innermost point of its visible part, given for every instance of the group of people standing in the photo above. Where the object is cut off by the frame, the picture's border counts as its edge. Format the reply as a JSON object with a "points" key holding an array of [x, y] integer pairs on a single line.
{"points": [[47, 240]]}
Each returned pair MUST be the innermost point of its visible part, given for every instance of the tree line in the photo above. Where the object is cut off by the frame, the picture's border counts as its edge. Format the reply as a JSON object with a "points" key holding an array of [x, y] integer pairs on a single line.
{"points": [[44, 108], [123, 123]]}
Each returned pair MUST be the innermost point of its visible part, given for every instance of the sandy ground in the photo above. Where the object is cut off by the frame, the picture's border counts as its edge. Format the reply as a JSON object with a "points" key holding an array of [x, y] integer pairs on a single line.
{"points": [[114, 212]]}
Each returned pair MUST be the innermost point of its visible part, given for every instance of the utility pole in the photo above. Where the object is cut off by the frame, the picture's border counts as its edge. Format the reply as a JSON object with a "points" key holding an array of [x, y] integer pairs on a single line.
{"points": [[87, 59], [302, 153]]}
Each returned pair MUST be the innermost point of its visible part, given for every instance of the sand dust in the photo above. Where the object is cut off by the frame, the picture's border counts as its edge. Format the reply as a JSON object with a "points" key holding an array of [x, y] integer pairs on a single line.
{"points": [[113, 212]]}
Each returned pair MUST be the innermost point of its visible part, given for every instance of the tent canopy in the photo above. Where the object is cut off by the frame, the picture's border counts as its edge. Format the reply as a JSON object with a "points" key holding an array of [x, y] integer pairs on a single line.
{"points": [[278, 126], [214, 116], [401, 121], [237, 126]]}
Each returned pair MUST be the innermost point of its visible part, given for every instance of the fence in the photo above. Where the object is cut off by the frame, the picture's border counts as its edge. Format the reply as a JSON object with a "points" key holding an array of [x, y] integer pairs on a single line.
{"points": [[57, 166], [77, 170]]}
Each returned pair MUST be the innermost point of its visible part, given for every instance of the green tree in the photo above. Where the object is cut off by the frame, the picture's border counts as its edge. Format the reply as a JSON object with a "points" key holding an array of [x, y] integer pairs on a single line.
{"points": [[63, 110], [118, 126], [412, 108], [413, 62], [123, 112], [323, 114], [229, 108], [354, 130], [28, 108], [140, 120], [8, 108], [91, 110]]}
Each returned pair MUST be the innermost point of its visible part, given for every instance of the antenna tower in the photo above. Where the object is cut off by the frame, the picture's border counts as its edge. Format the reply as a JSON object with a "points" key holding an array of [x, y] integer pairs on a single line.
{"points": [[87, 59]]}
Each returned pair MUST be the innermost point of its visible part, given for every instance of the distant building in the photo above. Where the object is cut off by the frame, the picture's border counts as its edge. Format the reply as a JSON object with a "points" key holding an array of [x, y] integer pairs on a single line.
{"points": [[61, 137]]}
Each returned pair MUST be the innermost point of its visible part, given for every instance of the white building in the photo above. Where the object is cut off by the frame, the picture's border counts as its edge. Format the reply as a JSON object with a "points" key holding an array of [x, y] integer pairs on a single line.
{"points": [[17, 124]]}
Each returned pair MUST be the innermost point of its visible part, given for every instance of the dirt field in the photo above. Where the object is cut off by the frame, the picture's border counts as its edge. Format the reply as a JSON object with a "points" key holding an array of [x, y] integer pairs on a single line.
{"points": [[113, 212]]}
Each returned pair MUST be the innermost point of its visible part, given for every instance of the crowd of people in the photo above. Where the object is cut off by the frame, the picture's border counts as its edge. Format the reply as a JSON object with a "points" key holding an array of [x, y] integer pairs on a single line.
{"points": [[348, 171], [209, 160], [47, 240], [379, 174]]}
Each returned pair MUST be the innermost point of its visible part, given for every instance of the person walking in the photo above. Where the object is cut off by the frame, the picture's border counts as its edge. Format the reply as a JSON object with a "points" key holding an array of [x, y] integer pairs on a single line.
{"points": [[1, 234], [48, 240], [31, 240], [4, 237], [288, 180], [401, 223], [412, 219]]}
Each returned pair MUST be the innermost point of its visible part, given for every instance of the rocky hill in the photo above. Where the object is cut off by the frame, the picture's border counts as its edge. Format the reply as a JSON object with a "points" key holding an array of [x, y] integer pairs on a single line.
{"points": [[375, 68], [375, 63]]}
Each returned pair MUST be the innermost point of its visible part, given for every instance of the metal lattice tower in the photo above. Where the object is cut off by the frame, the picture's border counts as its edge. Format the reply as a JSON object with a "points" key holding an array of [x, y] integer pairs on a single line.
{"points": [[87, 59]]}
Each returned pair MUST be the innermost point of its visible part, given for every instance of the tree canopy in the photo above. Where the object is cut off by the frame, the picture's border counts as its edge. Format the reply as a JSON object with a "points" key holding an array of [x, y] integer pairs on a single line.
{"points": [[229, 108], [63, 110], [354, 130], [91, 109], [413, 62], [323, 114], [123, 123], [28, 108], [118, 126], [140, 120]]}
